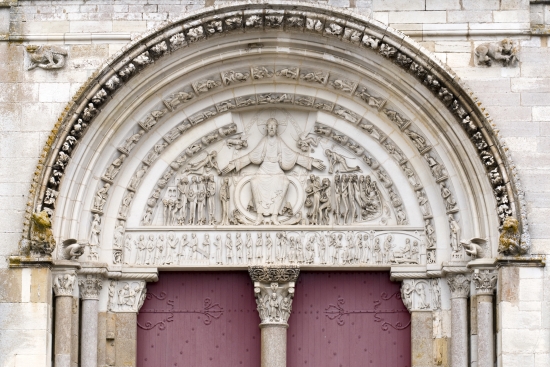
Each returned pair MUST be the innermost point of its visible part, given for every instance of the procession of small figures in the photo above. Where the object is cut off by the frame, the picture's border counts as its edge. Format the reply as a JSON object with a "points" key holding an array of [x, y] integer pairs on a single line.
{"points": [[331, 248]]}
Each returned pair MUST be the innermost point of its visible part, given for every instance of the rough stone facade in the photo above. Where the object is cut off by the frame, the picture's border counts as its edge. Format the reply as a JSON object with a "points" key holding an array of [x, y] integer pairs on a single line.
{"points": [[517, 98]]}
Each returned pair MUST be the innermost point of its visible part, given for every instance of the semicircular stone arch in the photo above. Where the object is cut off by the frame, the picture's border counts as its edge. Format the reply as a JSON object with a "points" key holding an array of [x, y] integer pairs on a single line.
{"points": [[355, 86]]}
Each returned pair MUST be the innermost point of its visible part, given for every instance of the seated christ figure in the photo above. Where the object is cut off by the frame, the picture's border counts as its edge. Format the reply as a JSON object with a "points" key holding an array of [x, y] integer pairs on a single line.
{"points": [[270, 184]]}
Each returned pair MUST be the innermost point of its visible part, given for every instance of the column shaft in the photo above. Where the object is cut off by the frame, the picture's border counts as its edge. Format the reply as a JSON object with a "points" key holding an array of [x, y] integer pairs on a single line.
{"points": [[485, 345], [421, 338], [459, 332], [62, 343], [88, 338], [273, 345], [459, 284]]}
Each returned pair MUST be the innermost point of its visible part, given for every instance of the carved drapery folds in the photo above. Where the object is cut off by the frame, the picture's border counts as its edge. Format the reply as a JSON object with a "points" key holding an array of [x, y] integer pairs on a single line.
{"points": [[63, 284], [274, 291], [459, 285], [90, 285]]}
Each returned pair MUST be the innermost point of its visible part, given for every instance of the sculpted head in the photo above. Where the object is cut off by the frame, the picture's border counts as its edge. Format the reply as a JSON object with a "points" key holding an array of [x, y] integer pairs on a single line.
{"points": [[272, 125], [507, 45]]}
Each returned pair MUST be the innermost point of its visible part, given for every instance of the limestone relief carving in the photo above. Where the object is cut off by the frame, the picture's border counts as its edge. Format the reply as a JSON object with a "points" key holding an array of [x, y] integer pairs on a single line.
{"points": [[131, 142], [174, 100], [418, 295], [41, 241], [504, 52], [231, 76], [290, 73], [151, 120], [93, 239], [273, 156], [261, 72], [203, 86], [476, 247], [459, 285], [320, 77], [372, 101], [45, 57], [100, 199], [485, 281], [72, 250], [126, 296], [509, 243], [89, 286], [346, 86], [177, 41], [274, 301], [113, 169], [315, 24], [337, 248], [63, 284]]}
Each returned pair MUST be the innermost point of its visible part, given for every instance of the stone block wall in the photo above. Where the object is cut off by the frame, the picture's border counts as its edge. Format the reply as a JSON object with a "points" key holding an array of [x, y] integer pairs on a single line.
{"points": [[517, 98]]}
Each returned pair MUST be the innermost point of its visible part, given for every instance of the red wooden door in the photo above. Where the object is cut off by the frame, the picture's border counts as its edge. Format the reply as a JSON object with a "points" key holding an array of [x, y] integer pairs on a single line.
{"points": [[194, 319], [348, 319]]}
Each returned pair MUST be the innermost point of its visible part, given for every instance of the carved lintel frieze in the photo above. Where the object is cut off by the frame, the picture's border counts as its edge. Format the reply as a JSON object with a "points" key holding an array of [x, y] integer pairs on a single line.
{"points": [[63, 284], [90, 285], [274, 291], [459, 285], [485, 281]]}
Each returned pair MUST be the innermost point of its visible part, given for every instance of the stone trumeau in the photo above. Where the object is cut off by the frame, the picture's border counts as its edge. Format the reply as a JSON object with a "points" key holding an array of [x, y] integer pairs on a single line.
{"points": [[403, 138]]}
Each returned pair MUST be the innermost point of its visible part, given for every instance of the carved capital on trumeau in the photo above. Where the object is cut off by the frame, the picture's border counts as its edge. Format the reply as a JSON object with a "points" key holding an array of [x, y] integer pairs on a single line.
{"points": [[286, 273], [274, 291], [90, 285], [459, 285], [485, 281], [63, 284]]}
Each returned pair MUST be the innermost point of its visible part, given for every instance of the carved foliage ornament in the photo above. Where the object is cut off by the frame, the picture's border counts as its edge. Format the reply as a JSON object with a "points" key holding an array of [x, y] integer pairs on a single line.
{"points": [[485, 281], [63, 284], [90, 286], [459, 285], [287, 273]]}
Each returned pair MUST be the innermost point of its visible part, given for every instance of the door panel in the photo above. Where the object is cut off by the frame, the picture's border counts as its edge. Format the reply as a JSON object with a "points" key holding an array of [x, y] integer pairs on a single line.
{"points": [[195, 319], [348, 319]]}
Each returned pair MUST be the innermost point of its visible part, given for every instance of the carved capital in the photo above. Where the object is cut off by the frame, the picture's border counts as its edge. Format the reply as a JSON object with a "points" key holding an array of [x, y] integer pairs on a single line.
{"points": [[126, 296], [90, 285], [459, 285], [286, 273], [274, 291], [63, 284], [485, 281], [421, 294]]}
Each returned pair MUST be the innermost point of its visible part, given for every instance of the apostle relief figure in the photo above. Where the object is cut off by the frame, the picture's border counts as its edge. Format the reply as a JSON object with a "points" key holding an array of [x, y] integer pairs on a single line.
{"points": [[269, 185]]}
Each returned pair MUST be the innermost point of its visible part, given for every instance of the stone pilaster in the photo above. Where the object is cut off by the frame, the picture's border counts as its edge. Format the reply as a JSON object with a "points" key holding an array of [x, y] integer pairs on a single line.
{"points": [[90, 285], [485, 282], [63, 285], [459, 285], [274, 291]]}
